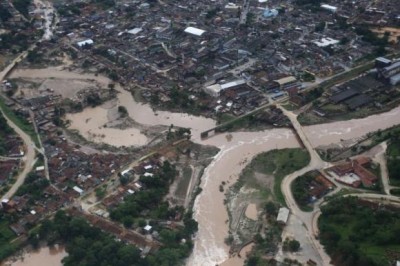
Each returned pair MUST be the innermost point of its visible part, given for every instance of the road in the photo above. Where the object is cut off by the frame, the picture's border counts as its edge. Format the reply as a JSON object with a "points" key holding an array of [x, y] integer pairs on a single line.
{"points": [[381, 159], [29, 157], [310, 219], [316, 163]]}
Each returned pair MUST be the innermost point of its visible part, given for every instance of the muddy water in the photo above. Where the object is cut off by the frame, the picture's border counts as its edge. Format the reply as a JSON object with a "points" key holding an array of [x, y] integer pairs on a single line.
{"points": [[238, 260], [210, 212], [141, 113], [90, 124], [44, 257], [325, 134]]}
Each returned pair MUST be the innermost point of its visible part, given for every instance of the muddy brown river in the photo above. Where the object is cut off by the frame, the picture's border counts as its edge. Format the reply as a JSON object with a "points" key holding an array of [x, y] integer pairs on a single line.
{"points": [[43, 257], [210, 212]]}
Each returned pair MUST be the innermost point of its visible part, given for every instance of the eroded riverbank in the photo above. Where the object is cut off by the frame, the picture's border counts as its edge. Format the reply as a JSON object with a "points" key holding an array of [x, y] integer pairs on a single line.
{"points": [[236, 152], [210, 211]]}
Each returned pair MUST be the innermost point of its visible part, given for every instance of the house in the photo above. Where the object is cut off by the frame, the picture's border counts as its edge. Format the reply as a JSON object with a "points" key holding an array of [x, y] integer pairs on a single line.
{"points": [[355, 173], [194, 31], [18, 229], [287, 82], [283, 215], [84, 43]]}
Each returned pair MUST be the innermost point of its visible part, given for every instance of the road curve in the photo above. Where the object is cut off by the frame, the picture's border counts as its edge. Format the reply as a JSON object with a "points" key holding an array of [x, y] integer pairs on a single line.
{"points": [[316, 163], [28, 159]]}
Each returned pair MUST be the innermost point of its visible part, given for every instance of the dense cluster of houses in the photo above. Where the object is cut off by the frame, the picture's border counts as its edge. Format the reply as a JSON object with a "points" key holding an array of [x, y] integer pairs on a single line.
{"points": [[161, 47], [355, 173]]}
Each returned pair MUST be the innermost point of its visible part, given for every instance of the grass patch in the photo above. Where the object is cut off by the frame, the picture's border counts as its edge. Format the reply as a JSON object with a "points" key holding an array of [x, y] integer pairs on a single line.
{"points": [[183, 184], [290, 106], [19, 122], [277, 163], [395, 191]]}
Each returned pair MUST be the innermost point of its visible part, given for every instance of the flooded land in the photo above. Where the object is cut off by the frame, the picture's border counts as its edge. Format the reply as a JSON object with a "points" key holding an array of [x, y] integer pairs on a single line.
{"points": [[210, 211], [236, 151], [45, 256]]}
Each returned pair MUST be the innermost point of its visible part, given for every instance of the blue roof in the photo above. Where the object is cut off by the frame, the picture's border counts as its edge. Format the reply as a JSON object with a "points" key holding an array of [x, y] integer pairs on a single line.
{"points": [[268, 13]]}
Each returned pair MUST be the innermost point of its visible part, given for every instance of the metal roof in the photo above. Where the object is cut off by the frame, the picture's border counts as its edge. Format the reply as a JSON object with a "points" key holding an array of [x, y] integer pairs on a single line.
{"points": [[194, 31]]}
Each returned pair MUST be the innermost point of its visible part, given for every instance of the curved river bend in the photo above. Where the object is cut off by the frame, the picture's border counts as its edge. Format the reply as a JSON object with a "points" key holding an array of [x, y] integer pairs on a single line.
{"points": [[210, 212]]}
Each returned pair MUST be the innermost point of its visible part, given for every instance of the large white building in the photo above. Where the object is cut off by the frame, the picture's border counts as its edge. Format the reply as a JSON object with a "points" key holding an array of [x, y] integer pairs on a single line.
{"points": [[216, 89]]}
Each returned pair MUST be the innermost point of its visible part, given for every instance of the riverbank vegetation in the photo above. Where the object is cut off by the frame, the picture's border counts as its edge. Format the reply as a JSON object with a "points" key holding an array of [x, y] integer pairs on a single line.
{"points": [[275, 163], [88, 245], [148, 207], [85, 244], [356, 232], [260, 183]]}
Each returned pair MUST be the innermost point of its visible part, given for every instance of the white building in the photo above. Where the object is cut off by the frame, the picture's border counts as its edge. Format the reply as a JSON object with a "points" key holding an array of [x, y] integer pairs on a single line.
{"points": [[324, 42], [85, 42], [283, 215], [330, 8], [78, 189], [195, 31], [134, 31], [39, 168], [215, 89]]}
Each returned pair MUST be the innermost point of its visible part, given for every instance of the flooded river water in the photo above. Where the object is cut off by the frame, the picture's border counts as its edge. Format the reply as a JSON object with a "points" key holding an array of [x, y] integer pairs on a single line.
{"points": [[235, 153], [43, 257], [210, 211]]}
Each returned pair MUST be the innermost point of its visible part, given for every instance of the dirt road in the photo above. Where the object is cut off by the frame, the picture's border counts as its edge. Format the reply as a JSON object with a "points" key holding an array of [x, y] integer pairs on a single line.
{"points": [[381, 159], [28, 159]]}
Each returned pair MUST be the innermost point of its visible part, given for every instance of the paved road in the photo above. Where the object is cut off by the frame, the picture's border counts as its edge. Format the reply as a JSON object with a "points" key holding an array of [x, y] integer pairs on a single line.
{"points": [[2, 158]]}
